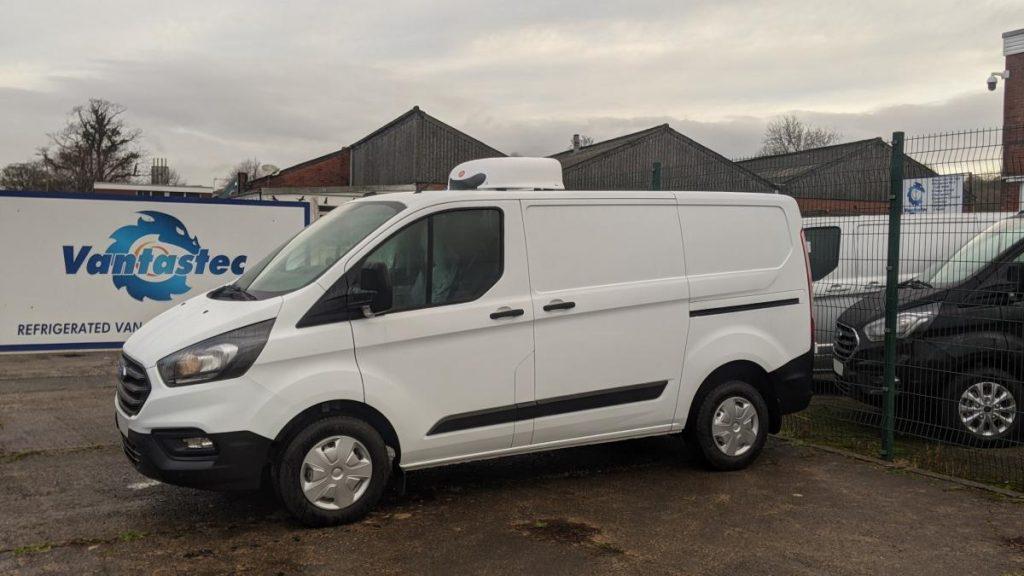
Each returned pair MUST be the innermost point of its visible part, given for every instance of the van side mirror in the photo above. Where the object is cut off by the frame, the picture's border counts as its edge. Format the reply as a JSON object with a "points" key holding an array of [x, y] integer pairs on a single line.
{"points": [[374, 288]]}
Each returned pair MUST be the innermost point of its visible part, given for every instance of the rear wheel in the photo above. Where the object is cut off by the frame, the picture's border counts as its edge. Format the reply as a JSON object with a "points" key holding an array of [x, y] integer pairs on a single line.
{"points": [[731, 426], [333, 471]]}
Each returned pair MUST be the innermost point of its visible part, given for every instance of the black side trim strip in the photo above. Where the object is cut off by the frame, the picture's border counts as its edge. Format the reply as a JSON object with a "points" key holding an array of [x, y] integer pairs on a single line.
{"points": [[744, 307], [550, 407]]}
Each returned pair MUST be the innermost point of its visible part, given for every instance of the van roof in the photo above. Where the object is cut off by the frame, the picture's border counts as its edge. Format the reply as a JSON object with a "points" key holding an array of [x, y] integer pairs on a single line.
{"points": [[433, 197]]}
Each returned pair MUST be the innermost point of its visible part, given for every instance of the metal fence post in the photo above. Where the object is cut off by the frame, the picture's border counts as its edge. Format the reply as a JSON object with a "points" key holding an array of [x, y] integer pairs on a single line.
{"points": [[656, 176], [892, 278]]}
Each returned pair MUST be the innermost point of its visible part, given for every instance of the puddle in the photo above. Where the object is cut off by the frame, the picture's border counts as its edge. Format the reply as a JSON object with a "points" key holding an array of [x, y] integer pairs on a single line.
{"points": [[568, 532]]}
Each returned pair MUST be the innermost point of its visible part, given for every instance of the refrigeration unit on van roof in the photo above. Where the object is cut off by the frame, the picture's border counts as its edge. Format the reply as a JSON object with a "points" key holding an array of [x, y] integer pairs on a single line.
{"points": [[507, 174]]}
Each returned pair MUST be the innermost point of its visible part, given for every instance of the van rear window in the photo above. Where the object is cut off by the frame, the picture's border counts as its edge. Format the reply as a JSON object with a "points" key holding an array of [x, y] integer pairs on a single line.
{"points": [[823, 247]]}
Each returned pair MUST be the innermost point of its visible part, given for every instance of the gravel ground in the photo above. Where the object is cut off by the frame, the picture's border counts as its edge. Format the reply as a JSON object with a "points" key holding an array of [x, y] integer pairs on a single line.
{"points": [[72, 503]]}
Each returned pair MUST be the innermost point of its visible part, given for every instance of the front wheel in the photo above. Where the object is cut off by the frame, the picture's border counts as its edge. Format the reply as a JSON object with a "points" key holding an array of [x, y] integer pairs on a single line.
{"points": [[731, 426], [333, 471], [984, 408]]}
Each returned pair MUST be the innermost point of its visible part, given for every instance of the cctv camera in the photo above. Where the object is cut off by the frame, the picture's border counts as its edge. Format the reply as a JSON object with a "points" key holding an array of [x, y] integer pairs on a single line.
{"points": [[992, 80]]}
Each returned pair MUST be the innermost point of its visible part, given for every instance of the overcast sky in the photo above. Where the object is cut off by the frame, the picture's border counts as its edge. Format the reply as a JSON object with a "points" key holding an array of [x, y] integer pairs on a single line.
{"points": [[211, 83]]}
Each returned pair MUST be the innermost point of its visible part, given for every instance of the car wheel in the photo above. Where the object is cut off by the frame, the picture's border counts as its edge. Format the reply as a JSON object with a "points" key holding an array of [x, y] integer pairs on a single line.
{"points": [[731, 426], [984, 408], [333, 471]]}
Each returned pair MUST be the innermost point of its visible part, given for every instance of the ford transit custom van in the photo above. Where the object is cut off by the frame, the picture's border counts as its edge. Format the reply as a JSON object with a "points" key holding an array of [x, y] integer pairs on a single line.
{"points": [[501, 316], [960, 342], [848, 256]]}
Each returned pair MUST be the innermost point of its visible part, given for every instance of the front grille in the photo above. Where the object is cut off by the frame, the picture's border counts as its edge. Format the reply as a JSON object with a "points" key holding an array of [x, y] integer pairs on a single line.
{"points": [[130, 450], [132, 386], [845, 343]]}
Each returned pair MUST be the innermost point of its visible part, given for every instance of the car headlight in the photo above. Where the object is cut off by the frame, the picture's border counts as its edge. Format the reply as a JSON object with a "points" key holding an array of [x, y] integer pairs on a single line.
{"points": [[225, 356], [906, 322]]}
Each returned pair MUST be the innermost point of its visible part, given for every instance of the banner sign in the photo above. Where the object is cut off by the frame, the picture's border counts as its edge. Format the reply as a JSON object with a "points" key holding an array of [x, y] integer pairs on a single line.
{"points": [[936, 194], [84, 271]]}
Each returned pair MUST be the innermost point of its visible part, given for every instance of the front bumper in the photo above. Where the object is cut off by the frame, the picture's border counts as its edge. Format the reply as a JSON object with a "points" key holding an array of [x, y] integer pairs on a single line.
{"points": [[237, 461], [923, 369]]}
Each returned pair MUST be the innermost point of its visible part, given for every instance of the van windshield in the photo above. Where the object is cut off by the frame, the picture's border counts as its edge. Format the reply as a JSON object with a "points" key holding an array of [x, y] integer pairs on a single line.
{"points": [[312, 251], [976, 254]]}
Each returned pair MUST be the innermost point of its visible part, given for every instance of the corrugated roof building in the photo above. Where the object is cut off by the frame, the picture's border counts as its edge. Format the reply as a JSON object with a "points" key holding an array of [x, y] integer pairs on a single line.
{"points": [[415, 149], [626, 163], [850, 178]]}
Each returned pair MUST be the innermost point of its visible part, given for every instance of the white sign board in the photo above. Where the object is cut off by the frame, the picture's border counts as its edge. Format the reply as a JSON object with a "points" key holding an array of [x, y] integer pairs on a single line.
{"points": [[936, 194], [84, 271]]}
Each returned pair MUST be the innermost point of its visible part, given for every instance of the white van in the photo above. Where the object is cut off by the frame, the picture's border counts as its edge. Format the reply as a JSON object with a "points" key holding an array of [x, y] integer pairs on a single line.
{"points": [[501, 316], [848, 258]]}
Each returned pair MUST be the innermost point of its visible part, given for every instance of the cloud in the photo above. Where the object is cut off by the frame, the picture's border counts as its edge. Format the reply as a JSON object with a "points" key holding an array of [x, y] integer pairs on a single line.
{"points": [[212, 83]]}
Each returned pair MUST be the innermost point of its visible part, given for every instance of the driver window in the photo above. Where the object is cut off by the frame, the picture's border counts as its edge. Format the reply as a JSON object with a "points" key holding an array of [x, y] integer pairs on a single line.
{"points": [[405, 257], [446, 258], [466, 257]]}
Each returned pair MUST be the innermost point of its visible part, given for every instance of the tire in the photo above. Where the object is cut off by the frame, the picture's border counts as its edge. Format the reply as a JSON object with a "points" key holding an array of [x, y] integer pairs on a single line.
{"points": [[359, 474], [992, 422], [709, 437]]}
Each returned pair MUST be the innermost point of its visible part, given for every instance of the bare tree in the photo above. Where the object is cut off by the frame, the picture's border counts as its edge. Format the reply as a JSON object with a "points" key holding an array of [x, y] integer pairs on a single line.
{"points": [[29, 176], [175, 179], [788, 133], [250, 167], [584, 141], [96, 145]]}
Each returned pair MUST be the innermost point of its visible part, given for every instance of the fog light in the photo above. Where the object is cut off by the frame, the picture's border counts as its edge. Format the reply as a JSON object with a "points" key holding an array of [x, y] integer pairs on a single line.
{"points": [[198, 443]]}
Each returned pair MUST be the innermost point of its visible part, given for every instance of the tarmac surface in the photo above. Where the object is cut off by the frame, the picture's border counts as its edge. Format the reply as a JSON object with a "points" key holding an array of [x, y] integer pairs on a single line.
{"points": [[71, 503]]}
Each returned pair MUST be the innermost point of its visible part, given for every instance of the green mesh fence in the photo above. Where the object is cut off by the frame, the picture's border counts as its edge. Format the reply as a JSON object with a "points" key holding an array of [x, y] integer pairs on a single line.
{"points": [[958, 359]]}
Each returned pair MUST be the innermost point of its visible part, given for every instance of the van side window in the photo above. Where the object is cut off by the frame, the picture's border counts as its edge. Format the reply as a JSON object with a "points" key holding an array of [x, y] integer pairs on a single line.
{"points": [[404, 255], [445, 258], [466, 255], [823, 244]]}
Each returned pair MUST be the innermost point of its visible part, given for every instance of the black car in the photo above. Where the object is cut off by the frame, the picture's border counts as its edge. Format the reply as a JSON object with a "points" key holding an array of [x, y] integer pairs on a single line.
{"points": [[960, 334]]}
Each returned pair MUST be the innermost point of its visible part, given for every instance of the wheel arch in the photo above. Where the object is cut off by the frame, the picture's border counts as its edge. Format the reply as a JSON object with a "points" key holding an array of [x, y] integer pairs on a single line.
{"points": [[360, 410], [746, 371], [1003, 360]]}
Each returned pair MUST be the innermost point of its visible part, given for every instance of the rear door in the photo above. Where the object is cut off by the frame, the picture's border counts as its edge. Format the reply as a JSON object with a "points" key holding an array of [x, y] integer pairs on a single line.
{"points": [[611, 315], [824, 245]]}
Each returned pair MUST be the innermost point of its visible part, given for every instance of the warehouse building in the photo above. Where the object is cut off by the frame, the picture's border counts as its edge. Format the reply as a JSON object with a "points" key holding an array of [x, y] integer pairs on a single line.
{"points": [[414, 150], [628, 163], [327, 171], [849, 178]]}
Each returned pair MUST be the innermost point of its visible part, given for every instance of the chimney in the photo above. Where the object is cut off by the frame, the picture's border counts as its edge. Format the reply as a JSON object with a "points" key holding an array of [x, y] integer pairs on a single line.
{"points": [[575, 143], [159, 173], [1013, 121]]}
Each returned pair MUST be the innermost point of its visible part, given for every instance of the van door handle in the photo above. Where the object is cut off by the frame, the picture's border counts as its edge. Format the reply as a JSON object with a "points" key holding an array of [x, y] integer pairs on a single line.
{"points": [[559, 305], [506, 312]]}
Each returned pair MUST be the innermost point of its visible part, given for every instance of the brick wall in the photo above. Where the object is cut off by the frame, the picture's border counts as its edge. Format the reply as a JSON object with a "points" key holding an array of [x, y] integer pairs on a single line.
{"points": [[831, 207], [1013, 129], [329, 170]]}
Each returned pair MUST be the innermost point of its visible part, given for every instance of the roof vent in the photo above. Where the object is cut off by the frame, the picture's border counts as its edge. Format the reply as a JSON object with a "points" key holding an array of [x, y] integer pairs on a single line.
{"points": [[507, 174]]}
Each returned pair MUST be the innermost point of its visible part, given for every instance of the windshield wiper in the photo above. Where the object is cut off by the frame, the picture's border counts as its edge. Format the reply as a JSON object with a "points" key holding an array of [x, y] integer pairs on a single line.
{"points": [[915, 283], [232, 292]]}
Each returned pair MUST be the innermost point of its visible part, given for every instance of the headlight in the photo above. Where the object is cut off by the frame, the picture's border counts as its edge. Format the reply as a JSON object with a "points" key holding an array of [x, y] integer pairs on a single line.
{"points": [[219, 358], [906, 322]]}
